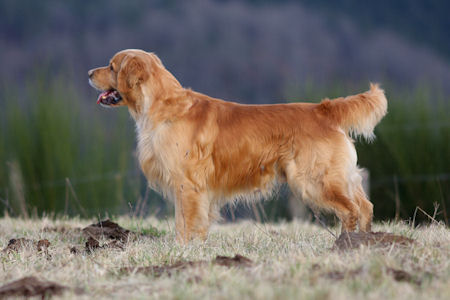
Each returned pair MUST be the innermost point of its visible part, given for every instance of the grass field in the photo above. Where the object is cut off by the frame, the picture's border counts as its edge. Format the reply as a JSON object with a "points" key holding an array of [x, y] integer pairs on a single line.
{"points": [[289, 261]]}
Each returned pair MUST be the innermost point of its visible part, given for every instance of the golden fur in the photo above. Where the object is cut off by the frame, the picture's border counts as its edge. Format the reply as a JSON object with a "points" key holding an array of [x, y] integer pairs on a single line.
{"points": [[202, 152]]}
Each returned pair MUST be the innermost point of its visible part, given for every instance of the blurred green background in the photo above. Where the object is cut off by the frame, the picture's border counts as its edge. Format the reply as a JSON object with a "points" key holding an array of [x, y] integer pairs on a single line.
{"points": [[60, 153]]}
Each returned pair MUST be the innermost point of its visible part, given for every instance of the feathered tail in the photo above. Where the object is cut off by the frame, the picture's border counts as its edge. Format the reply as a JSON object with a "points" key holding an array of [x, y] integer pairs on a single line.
{"points": [[357, 114]]}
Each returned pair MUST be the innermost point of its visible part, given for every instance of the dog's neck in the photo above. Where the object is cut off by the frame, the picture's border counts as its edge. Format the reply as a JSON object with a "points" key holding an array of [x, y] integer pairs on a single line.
{"points": [[165, 108], [153, 111]]}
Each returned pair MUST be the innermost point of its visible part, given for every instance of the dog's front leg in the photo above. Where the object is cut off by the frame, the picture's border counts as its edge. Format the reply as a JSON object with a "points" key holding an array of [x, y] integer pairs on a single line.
{"points": [[191, 213]]}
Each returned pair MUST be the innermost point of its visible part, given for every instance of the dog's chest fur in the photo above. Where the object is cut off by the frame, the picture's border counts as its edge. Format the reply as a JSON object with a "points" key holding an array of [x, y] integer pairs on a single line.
{"points": [[154, 156]]}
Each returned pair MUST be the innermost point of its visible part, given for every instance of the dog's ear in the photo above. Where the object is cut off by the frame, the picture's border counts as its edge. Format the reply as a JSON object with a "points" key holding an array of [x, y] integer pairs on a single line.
{"points": [[132, 72]]}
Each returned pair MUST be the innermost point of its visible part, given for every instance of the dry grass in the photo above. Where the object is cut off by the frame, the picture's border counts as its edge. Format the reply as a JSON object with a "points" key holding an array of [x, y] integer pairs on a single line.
{"points": [[291, 261]]}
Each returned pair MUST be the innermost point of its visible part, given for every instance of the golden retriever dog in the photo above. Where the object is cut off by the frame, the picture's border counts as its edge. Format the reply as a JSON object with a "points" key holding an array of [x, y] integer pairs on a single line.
{"points": [[202, 152]]}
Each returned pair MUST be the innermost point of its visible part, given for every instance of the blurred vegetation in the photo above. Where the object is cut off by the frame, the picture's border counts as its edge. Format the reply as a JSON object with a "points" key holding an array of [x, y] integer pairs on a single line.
{"points": [[410, 159], [62, 155], [59, 156]]}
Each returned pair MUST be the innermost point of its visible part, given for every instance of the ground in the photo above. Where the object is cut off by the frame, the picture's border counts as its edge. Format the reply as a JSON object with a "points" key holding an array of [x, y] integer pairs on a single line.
{"points": [[292, 260]]}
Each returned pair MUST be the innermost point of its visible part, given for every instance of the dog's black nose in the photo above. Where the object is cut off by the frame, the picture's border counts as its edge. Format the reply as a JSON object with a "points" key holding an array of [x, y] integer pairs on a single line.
{"points": [[90, 73]]}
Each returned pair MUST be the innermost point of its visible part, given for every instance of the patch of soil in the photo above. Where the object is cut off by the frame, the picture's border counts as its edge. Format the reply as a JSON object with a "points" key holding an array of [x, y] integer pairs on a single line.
{"points": [[340, 275], [15, 245], [18, 244], [107, 229], [167, 269], [236, 261], [353, 240], [114, 245], [31, 286], [42, 245], [92, 244], [400, 275], [74, 250]]}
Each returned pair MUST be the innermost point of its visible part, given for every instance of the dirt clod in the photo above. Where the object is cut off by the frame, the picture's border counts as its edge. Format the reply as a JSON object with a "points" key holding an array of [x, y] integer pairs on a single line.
{"points": [[165, 269], [31, 286], [42, 245], [353, 240], [18, 244], [114, 245], [340, 275], [400, 275], [107, 229], [91, 244], [236, 261]]}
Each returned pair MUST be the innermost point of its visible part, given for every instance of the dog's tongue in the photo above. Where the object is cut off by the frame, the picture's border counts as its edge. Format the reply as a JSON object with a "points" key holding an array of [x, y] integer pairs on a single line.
{"points": [[103, 95]]}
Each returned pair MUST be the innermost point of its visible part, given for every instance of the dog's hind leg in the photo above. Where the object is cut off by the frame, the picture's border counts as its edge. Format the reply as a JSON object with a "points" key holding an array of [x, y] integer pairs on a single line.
{"points": [[330, 196], [366, 209], [191, 213], [335, 198], [329, 192]]}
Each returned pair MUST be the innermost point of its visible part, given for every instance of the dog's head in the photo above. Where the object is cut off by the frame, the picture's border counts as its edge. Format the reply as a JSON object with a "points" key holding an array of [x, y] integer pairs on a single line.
{"points": [[131, 78]]}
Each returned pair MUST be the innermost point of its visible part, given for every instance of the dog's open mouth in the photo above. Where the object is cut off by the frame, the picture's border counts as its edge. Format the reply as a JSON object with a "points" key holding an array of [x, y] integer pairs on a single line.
{"points": [[109, 97]]}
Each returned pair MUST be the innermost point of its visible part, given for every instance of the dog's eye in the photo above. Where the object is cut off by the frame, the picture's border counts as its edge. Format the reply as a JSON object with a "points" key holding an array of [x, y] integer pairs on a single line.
{"points": [[111, 67]]}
